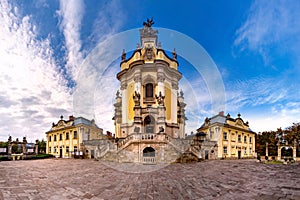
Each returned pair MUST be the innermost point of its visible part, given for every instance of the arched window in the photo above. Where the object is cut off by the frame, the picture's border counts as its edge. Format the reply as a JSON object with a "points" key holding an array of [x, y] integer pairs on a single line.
{"points": [[149, 90]]}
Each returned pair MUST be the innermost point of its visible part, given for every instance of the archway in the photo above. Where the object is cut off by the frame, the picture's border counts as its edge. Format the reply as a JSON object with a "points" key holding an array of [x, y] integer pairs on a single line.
{"points": [[149, 123], [149, 152], [286, 152]]}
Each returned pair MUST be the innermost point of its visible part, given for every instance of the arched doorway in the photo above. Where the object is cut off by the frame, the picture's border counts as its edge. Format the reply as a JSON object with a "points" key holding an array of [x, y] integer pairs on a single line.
{"points": [[149, 123], [149, 152], [286, 152], [149, 156]]}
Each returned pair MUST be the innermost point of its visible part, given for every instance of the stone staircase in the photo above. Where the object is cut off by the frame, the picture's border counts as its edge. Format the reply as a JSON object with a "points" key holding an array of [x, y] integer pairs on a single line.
{"points": [[167, 149]]}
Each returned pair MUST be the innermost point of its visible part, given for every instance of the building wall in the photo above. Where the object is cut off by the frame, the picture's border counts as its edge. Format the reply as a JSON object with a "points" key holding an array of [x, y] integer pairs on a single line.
{"points": [[69, 138], [245, 145], [233, 137]]}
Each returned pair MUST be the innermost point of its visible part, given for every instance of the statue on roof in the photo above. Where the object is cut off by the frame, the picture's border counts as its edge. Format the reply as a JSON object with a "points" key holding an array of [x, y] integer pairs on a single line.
{"points": [[149, 22]]}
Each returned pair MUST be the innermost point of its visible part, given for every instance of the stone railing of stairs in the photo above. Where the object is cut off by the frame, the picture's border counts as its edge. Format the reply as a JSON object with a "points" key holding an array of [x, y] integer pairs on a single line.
{"points": [[143, 137]]}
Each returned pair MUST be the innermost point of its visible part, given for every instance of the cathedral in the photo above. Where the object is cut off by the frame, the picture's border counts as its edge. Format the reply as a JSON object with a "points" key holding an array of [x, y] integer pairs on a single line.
{"points": [[149, 115], [148, 101]]}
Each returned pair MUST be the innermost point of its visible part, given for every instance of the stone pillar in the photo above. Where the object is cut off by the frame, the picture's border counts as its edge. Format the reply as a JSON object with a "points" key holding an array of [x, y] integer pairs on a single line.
{"points": [[295, 150], [36, 151], [267, 149], [24, 145], [278, 151], [124, 102], [174, 103], [9, 146]]}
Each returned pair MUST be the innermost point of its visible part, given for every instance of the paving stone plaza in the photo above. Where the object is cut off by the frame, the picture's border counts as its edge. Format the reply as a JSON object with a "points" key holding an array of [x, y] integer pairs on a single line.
{"points": [[89, 179]]}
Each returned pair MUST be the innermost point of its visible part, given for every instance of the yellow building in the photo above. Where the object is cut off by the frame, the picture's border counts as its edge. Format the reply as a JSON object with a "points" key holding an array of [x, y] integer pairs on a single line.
{"points": [[233, 137], [66, 137]]}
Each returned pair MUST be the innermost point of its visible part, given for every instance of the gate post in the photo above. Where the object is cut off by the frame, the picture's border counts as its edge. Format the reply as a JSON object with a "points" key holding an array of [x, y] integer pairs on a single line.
{"points": [[278, 151], [295, 150]]}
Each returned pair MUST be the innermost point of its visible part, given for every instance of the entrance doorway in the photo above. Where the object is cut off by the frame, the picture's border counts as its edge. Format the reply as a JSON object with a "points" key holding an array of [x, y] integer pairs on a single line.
{"points": [[60, 152], [239, 154], [206, 154], [149, 156]]}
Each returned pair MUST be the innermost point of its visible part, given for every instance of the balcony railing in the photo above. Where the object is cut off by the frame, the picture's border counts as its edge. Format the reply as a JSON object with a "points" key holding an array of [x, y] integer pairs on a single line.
{"points": [[149, 160], [138, 137]]}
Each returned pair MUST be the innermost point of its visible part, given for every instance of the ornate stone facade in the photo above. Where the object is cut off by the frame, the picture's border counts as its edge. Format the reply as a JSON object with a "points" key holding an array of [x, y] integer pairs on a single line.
{"points": [[233, 137], [65, 138]]}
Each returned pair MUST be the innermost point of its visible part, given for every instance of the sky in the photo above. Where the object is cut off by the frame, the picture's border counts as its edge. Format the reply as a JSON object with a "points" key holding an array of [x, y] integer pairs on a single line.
{"points": [[45, 47]]}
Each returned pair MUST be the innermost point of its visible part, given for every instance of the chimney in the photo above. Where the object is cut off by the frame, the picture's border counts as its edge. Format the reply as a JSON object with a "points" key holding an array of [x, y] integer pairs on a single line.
{"points": [[221, 113]]}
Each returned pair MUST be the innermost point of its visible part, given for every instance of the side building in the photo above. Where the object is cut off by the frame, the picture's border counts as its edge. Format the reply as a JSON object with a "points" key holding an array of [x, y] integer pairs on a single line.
{"points": [[65, 138], [233, 137]]}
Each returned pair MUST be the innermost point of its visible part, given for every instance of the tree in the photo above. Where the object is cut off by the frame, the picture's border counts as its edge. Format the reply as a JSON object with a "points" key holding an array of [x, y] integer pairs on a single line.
{"points": [[41, 146]]}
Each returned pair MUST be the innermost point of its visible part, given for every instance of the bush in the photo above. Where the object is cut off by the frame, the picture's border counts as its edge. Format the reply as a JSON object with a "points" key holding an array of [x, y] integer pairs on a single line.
{"points": [[39, 156], [4, 158]]}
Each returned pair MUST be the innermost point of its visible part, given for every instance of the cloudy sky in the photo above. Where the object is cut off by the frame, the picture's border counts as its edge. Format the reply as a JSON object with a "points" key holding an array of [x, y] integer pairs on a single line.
{"points": [[46, 46]]}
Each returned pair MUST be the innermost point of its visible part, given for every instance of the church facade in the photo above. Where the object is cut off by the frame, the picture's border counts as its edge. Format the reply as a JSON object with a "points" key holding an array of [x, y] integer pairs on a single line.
{"points": [[148, 101], [149, 113]]}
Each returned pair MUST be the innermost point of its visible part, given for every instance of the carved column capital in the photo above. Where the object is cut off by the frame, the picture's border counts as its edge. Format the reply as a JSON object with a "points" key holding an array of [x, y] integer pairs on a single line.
{"points": [[175, 85], [123, 86], [160, 77]]}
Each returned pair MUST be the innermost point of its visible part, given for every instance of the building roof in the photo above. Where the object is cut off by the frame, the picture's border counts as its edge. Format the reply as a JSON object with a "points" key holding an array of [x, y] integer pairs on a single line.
{"points": [[72, 121], [228, 121]]}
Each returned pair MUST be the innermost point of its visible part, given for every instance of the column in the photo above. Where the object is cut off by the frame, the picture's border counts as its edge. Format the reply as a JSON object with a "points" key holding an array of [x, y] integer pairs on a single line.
{"points": [[160, 83], [267, 149], [295, 150], [174, 103], [124, 102]]}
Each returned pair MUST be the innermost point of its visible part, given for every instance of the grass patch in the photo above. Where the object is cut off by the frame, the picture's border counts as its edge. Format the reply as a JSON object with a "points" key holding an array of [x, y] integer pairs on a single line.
{"points": [[274, 162]]}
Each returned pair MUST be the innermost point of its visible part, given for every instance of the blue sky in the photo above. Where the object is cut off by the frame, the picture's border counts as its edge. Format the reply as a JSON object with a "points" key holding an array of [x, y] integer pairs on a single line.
{"points": [[254, 44]]}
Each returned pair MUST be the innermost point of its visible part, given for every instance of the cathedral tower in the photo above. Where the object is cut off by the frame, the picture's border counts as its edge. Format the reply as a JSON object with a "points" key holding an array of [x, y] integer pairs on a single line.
{"points": [[148, 100]]}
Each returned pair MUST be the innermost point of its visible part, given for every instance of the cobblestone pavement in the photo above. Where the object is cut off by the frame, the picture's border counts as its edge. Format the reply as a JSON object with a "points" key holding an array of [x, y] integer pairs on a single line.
{"points": [[87, 179]]}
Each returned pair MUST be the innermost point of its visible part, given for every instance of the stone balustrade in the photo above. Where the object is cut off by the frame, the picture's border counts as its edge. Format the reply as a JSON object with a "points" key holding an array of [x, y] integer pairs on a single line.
{"points": [[149, 160], [137, 137]]}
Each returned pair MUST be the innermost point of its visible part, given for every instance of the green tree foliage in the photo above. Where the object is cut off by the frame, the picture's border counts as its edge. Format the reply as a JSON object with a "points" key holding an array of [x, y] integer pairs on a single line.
{"points": [[41, 146], [3, 144], [290, 134]]}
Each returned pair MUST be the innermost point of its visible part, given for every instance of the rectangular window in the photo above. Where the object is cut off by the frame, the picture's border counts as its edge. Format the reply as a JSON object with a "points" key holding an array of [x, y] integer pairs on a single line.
{"points": [[250, 150], [239, 138], [50, 138], [225, 135], [67, 149], [225, 150], [54, 137], [250, 139], [54, 151], [75, 148], [67, 135], [49, 149], [75, 135], [245, 151], [245, 138], [60, 136]]}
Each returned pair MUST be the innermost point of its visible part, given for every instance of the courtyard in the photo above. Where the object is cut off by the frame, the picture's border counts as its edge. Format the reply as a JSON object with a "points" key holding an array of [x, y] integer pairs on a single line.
{"points": [[89, 179]]}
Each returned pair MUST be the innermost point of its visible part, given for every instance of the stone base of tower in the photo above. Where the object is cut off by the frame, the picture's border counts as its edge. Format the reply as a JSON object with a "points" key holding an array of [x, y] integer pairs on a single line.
{"points": [[146, 148]]}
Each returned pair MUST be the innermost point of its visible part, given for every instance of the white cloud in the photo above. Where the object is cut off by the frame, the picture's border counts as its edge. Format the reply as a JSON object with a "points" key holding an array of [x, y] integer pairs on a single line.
{"points": [[271, 26], [71, 13], [31, 87], [255, 92]]}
